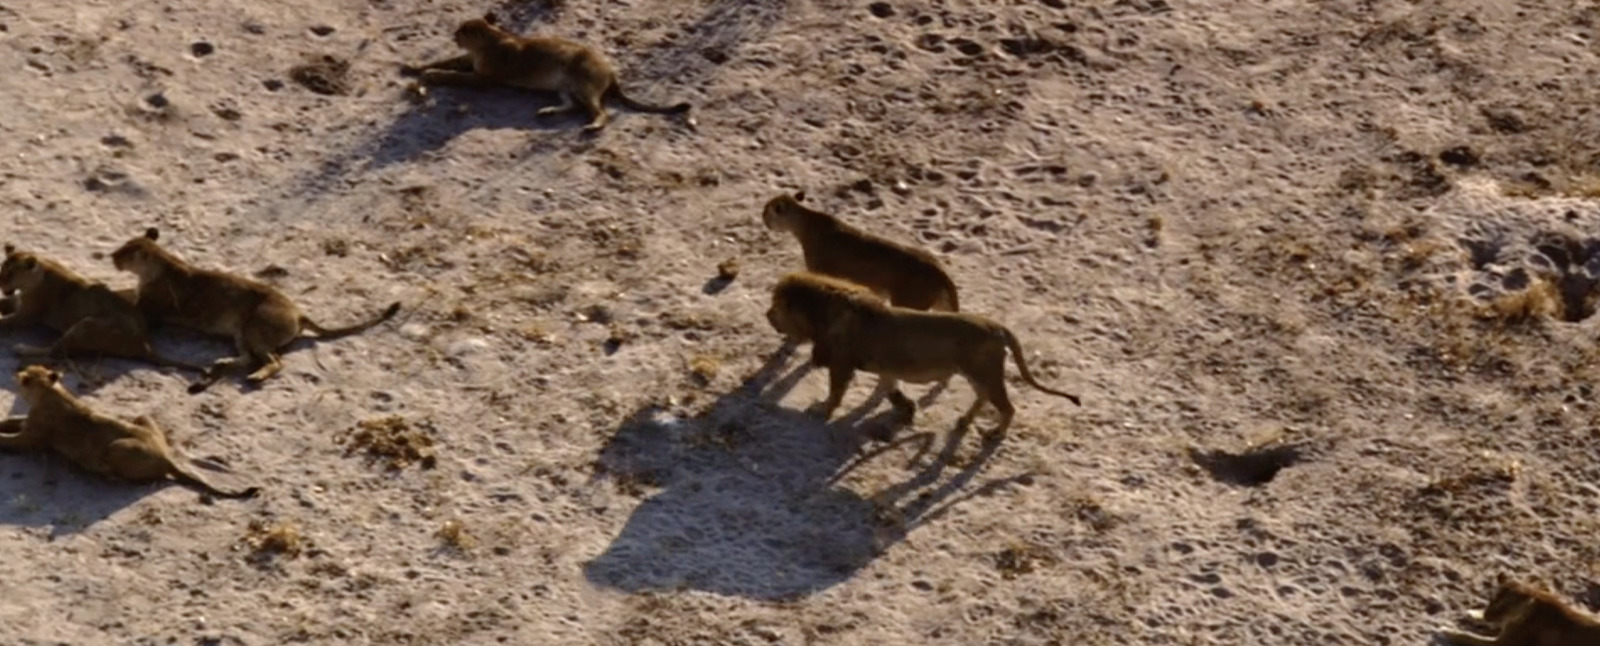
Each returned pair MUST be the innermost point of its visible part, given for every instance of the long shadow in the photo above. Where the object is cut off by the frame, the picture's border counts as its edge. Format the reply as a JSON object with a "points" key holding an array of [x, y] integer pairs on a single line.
{"points": [[428, 124], [748, 503]]}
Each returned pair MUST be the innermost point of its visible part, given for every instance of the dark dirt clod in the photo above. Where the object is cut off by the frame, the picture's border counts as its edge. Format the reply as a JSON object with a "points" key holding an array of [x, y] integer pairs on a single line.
{"points": [[391, 440], [328, 75]]}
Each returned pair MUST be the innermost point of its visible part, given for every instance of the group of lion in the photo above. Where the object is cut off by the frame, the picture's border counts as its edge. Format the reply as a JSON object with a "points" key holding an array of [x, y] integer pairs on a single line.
{"points": [[95, 320], [867, 303], [864, 302]]}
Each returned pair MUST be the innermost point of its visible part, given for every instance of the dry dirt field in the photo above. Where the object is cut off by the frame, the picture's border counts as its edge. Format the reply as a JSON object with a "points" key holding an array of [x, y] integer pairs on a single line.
{"points": [[1322, 270]]}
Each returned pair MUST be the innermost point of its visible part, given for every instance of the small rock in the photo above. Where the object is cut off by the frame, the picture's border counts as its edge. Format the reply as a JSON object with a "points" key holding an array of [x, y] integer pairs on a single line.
{"points": [[470, 345], [322, 30], [728, 269], [202, 49], [415, 331], [881, 9]]}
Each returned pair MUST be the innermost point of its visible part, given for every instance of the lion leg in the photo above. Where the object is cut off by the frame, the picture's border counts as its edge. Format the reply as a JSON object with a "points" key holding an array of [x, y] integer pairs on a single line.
{"points": [[902, 404], [567, 104], [462, 63], [985, 392], [14, 435], [838, 382], [1002, 403], [1452, 637], [592, 103], [33, 351], [269, 367], [135, 460], [224, 365], [260, 343], [452, 77]]}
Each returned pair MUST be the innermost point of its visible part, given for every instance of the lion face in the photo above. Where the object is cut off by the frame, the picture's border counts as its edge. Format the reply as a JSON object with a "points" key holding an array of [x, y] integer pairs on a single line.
{"points": [[1509, 598], [34, 379], [19, 271], [783, 321], [779, 213], [472, 34], [138, 255]]}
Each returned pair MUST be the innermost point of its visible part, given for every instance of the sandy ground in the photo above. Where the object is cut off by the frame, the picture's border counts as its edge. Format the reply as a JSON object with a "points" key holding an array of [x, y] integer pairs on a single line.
{"points": [[1356, 235]]}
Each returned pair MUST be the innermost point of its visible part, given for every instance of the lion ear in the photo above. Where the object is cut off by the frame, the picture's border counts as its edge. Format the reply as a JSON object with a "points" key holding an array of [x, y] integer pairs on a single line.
{"points": [[491, 18], [55, 377], [799, 196], [152, 233], [10, 248]]}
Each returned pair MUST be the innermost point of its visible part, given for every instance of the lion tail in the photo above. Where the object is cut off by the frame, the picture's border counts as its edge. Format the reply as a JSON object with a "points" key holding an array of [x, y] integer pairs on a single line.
{"points": [[1022, 365], [334, 333], [617, 93], [187, 475]]}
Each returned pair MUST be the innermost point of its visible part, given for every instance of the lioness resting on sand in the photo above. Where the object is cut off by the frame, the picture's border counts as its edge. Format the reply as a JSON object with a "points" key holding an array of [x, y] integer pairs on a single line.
{"points": [[1528, 616], [92, 319], [580, 74], [851, 328], [260, 319], [58, 421]]}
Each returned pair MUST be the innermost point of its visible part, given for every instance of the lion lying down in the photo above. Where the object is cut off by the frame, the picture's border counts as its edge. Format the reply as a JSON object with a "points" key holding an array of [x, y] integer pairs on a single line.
{"points": [[58, 421]]}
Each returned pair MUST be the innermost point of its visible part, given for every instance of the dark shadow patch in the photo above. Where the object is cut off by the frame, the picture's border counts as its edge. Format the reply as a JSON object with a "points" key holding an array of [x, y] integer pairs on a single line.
{"points": [[746, 501], [708, 43], [517, 16], [91, 372], [1251, 467], [44, 490]]}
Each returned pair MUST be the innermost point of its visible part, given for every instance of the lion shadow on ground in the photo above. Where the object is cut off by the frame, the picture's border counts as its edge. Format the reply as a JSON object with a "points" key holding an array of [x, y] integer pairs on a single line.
{"points": [[432, 122], [747, 500], [91, 372], [44, 490]]}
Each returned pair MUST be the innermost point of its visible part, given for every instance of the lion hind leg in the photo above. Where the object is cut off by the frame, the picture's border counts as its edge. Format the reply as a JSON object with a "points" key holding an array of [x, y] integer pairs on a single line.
{"points": [[566, 105]]}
